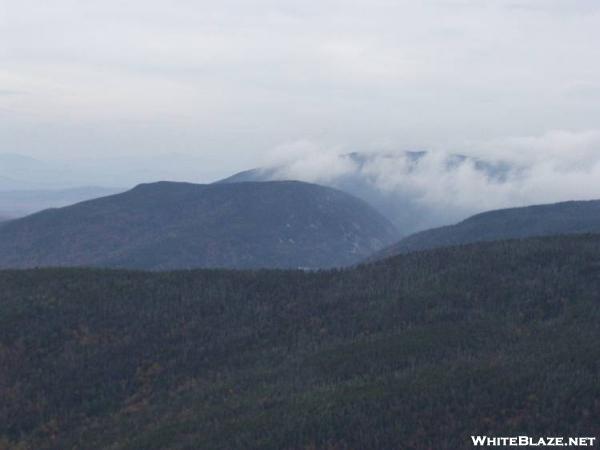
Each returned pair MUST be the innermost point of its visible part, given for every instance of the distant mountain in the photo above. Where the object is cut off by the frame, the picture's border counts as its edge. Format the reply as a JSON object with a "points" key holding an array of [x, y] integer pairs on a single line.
{"points": [[170, 225], [20, 172], [513, 223], [24, 173], [22, 203], [387, 182]]}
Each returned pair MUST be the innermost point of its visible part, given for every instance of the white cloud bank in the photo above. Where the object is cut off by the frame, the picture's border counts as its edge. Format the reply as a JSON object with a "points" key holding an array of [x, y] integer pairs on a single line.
{"points": [[558, 166]]}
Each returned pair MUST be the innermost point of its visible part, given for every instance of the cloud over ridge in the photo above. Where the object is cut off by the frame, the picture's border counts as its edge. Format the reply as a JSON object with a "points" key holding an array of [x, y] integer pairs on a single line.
{"points": [[557, 166]]}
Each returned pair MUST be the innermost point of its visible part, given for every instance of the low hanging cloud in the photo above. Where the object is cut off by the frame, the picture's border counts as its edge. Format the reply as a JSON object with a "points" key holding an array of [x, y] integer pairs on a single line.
{"points": [[308, 161], [567, 149], [445, 186]]}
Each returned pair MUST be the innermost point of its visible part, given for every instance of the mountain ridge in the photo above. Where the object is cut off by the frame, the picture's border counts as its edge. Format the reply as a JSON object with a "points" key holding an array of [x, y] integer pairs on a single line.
{"points": [[167, 225], [363, 177], [571, 217]]}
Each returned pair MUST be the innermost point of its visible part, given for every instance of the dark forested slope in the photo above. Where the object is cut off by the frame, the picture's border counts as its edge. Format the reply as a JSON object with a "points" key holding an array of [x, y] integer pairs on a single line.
{"points": [[418, 351], [182, 225], [513, 223]]}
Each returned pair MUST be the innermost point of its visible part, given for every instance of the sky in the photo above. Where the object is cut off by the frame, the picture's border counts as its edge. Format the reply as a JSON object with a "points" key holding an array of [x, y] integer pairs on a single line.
{"points": [[235, 84]]}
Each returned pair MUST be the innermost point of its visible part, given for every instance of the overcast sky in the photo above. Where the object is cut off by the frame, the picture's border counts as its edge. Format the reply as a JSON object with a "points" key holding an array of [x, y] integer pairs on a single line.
{"points": [[229, 81]]}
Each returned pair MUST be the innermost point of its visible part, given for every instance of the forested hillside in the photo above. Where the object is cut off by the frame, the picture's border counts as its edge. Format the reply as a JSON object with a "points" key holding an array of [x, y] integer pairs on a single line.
{"points": [[513, 223], [182, 225], [419, 351]]}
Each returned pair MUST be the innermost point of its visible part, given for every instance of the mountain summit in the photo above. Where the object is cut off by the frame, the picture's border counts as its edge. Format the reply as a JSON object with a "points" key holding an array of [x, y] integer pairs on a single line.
{"points": [[168, 225]]}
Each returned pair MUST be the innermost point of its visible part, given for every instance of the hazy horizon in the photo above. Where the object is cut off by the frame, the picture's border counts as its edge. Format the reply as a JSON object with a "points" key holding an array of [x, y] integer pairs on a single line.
{"points": [[117, 93]]}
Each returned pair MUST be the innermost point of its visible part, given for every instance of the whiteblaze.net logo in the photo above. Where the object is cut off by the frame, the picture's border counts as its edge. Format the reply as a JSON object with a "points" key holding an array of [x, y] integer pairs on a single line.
{"points": [[526, 441]]}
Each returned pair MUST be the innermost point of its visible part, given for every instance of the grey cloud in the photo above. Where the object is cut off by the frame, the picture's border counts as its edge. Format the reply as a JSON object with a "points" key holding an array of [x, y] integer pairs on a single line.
{"points": [[557, 166], [239, 78]]}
